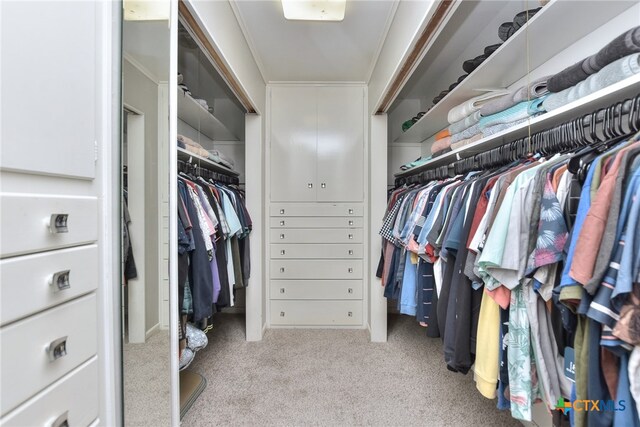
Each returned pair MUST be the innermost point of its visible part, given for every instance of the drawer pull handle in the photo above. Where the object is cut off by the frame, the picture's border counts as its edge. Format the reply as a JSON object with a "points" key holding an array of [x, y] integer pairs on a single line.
{"points": [[350, 251], [281, 211], [282, 314], [350, 270], [350, 236], [282, 252], [350, 314], [350, 290], [310, 185], [62, 420], [323, 185], [60, 280], [282, 236], [57, 349], [282, 223], [58, 223], [350, 222], [282, 290], [281, 269], [350, 211]]}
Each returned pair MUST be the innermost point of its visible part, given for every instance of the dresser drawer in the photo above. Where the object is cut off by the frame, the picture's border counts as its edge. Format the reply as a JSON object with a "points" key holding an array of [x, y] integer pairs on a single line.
{"points": [[317, 222], [35, 353], [327, 235], [316, 313], [316, 209], [74, 398], [321, 251], [33, 283], [34, 222], [316, 289], [316, 269]]}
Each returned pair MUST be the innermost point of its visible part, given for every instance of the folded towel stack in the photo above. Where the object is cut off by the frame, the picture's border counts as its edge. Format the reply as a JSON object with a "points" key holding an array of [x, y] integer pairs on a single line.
{"points": [[532, 90], [624, 45], [610, 74], [192, 146], [442, 143]]}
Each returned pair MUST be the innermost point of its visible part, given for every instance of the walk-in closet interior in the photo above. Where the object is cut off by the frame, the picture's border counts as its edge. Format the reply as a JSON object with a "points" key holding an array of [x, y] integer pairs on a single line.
{"points": [[310, 212]]}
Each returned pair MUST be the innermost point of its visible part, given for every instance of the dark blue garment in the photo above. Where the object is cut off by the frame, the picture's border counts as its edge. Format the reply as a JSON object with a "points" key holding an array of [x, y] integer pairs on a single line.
{"points": [[200, 278]]}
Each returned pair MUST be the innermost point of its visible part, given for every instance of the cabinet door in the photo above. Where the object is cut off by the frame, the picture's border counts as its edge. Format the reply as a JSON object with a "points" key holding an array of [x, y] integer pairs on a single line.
{"points": [[50, 71], [340, 144], [293, 144]]}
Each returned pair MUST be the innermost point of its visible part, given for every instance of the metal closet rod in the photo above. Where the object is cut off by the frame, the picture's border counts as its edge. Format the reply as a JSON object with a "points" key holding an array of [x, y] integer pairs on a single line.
{"points": [[193, 169], [570, 134]]}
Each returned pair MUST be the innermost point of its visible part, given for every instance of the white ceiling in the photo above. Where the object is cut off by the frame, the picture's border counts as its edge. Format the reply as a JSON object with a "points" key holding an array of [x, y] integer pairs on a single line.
{"points": [[315, 51]]}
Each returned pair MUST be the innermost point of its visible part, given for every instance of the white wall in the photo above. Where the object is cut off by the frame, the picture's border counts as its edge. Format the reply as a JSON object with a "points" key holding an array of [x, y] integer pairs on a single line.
{"points": [[141, 92]]}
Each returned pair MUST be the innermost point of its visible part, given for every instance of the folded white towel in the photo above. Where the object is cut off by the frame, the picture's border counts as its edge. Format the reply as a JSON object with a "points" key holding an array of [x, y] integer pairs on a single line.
{"points": [[468, 107]]}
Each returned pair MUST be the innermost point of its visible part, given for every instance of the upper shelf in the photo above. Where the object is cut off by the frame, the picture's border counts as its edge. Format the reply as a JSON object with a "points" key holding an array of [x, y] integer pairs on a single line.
{"points": [[196, 116], [560, 22], [610, 95], [188, 156]]}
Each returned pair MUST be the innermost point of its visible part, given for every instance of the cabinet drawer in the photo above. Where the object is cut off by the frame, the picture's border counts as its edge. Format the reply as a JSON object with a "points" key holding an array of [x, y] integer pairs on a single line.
{"points": [[317, 222], [318, 235], [316, 269], [41, 281], [316, 289], [317, 209], [74, 398], [315, 313], [35, 353], [321, 251], [34, 222]]}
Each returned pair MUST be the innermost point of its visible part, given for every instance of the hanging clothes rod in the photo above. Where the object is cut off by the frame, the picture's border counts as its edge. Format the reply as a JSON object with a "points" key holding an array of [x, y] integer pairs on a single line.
{"points": [[617, 120]]}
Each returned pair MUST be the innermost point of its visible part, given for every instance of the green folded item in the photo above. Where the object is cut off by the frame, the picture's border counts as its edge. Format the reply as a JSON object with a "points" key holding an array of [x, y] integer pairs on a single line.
{"points": [[407, 125]]}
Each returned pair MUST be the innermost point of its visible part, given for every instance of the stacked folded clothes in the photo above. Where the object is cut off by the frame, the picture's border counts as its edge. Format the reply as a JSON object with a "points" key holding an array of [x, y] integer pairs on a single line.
{"points": [[610, 74], [192, 146], [508, 29], [219, 157], [442, 143], [532, 90], [624, 45], [419, 161]]}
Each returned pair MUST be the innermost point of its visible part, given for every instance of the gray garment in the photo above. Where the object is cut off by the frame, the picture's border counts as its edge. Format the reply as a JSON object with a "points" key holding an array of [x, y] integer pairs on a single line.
{"points": [[534, 89], [608, 241], [465, 123], [465, 134], [612, 73]]}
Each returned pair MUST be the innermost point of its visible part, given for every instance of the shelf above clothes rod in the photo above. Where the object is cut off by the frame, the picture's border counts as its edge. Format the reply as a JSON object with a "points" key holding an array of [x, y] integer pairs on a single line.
{"points": [[501, 69], [625, 89], [196, 116], [190, 157]]}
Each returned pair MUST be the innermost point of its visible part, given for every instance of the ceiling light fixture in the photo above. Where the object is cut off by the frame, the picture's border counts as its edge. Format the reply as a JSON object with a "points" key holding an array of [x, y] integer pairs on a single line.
{"points": [[314, 10]]}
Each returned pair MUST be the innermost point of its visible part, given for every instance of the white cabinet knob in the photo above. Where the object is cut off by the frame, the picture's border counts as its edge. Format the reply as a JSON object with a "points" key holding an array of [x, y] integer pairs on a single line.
{"points": [[310, 185], [282, 252], [282, 236], [282, 223], [350, 251], [323, 185]]}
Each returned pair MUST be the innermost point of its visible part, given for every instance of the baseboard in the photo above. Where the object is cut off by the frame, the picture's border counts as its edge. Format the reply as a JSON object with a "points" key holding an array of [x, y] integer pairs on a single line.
{"points": [[155, 328]]}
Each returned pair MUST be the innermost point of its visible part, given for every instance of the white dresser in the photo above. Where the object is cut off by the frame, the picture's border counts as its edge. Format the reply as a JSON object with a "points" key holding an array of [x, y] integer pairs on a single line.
{"points": [[51, 206], [316, 215]]}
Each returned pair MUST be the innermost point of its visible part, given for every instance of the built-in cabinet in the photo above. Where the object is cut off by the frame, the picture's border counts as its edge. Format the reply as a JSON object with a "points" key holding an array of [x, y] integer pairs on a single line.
{"points": [[317, 216], [55, 233], [317, 140]]}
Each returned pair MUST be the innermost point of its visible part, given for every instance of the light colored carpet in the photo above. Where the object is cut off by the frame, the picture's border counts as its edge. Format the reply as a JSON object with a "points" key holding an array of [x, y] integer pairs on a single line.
{"points": [[147, 383], [300, 377]]}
